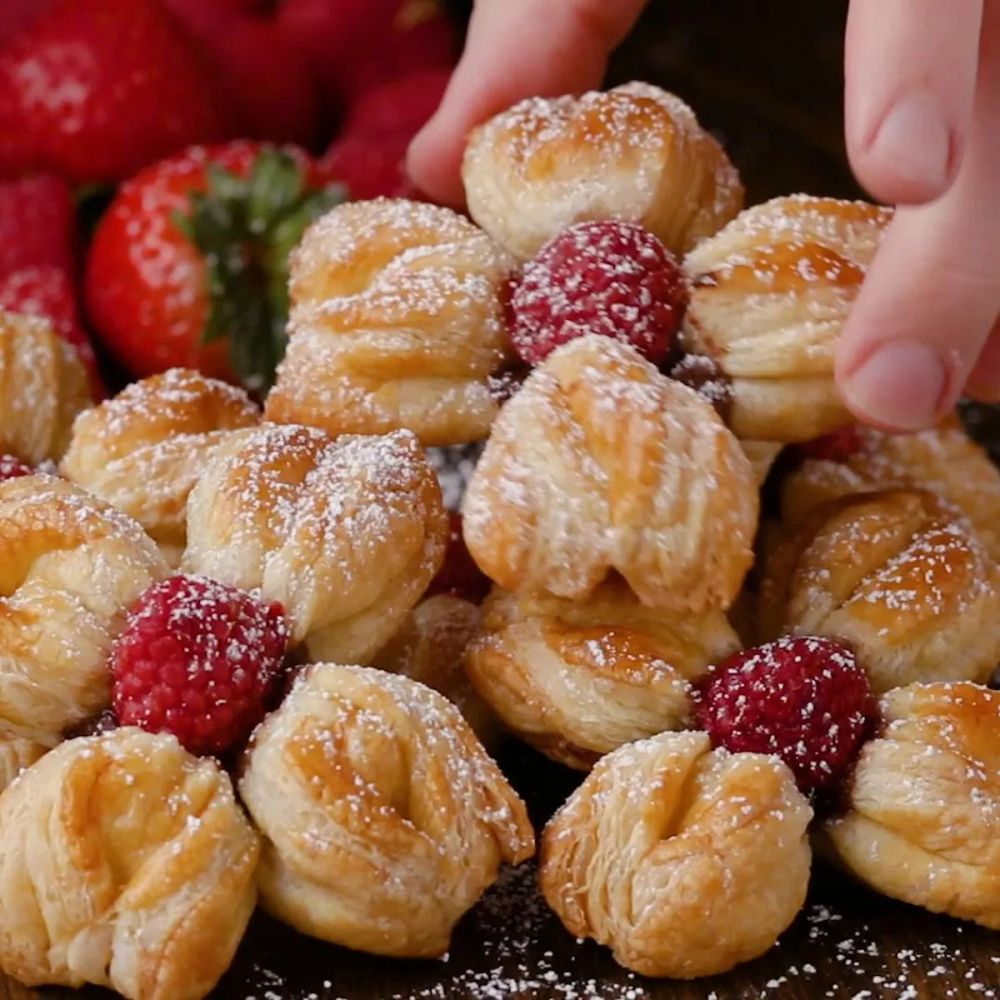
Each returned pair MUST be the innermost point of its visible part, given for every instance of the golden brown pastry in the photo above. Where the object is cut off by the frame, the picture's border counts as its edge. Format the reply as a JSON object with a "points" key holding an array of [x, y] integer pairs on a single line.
{"points": [[682, 859], [43, 386], [634, 153], [922, 822], [70, 567], [430, 647], [579, 680], [769, 297], [384, 819], [396, 322], [127, 863], [16, 755], [599, 466], [944, 460], [345, 534], [895, 575], [144, 450]]}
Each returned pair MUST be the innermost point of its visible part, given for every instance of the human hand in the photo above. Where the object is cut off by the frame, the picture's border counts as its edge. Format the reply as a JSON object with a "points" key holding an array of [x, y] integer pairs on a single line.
{"points": [[923, 130], [516, 49]]}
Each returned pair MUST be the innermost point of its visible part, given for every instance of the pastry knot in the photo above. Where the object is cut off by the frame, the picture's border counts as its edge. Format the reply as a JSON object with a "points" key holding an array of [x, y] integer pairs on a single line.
{"points": [[601, 467], [684, 860], [70, 567], [43, 386], [396, 322], [898, 576], [345, 534], [922, 820], [401, 818], [127, 863], [769, 297], [144, 450], [635, 153], [579, 680]]}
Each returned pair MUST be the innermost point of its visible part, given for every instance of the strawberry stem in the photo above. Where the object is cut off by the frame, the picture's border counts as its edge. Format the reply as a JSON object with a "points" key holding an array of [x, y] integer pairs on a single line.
{"points": [[245, 228]]}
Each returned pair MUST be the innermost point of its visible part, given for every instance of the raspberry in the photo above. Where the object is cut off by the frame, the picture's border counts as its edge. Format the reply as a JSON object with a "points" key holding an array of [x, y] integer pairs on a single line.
{"points": [[837, 446], [198, 659], [806, 700], [12, 468], [610, 278], [459, 575]]}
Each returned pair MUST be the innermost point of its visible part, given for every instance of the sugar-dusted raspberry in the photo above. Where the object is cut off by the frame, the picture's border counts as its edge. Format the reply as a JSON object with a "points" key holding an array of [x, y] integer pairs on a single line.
{"points": [[837, 446], [459, 575], [806, 700], [12, 468], [610, 278], [198, 659]]}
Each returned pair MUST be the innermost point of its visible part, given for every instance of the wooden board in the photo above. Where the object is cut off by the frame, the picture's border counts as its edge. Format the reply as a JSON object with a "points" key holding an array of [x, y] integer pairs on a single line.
{"points": [[767, 77]]}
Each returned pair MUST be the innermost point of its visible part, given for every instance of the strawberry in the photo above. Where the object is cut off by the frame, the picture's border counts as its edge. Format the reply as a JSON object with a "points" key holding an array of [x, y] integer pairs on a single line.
{"points": [[398, 107], [95, 90], [353, 45], [369, 158], [18, 15], [189, 265], [260, 69], [37, 260]]}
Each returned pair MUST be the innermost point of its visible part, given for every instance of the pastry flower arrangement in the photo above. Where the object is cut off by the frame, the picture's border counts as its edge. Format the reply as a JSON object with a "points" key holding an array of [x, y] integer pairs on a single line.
{"points": [[250, 658]]}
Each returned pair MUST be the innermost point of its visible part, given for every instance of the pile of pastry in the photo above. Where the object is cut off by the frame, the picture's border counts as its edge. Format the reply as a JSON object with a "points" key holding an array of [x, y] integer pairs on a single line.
{"points": [[247, 656]]}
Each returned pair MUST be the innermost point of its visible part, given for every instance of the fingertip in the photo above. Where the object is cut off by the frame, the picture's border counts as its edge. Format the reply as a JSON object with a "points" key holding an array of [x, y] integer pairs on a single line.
{"points": [[434, 164]]}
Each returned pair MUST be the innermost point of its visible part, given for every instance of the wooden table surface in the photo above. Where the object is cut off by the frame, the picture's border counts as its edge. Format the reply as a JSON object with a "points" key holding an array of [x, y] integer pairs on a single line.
{"points": [[767, 77]]}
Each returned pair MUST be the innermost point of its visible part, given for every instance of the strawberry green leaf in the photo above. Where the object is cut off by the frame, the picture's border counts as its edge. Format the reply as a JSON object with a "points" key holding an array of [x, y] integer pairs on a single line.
{"points": [[245, 229]]}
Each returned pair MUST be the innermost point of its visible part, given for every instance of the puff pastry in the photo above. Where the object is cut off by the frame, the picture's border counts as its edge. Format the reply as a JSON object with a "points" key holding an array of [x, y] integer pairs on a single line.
{"points": [[16, 755], [944, 460], [70, 567], [600, 465], [43, 386], [430, 647], [144, 450], [684, 860], [579, 680], [396, 322], [384, 819], [769, 296], [127, 863], [345, 535], [634, 153], [762, 456], [895, 575], [922, 821]]}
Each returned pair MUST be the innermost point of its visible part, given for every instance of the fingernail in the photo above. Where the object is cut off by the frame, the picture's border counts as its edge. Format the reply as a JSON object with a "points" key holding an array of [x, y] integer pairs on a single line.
{"points": [[915, 141], [901, 386]]}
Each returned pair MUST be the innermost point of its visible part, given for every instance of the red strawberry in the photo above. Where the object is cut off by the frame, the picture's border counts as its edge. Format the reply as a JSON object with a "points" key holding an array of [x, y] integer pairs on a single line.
{"points": [[399, 107], [189, 265], [258, 66], [95, 90], [611, 278], [48, 292], [352, 45], [198, 659], [18, 15], [459, 575], [804, 699], [37, 223], [37, 243], [369, 167], [13, 468]]}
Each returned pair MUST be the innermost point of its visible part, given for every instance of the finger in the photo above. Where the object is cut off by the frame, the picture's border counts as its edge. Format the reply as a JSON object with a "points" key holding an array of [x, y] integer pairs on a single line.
{"points": [[932, 292], [515, 49], [984, 382], [910, 76]]}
